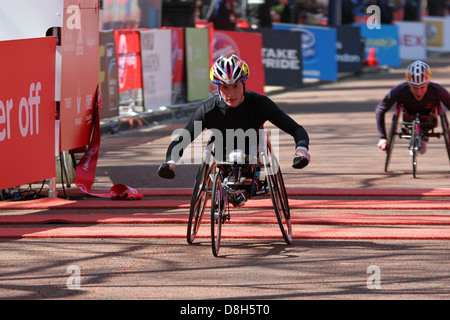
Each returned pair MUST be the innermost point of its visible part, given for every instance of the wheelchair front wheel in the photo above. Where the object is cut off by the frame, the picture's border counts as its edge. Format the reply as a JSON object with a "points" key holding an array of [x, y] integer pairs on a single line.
{"points": [[199, 198], [414, 146], [218, 214]]}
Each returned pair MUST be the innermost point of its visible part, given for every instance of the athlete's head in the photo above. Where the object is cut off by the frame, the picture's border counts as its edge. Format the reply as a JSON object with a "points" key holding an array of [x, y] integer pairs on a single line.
{"points": [[418, 76], [229, 74], [418, 73], [229, 70]]}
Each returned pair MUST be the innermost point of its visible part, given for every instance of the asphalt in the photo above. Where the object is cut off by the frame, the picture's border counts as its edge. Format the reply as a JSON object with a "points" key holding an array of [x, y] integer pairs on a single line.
{"points": [[350, 216]]}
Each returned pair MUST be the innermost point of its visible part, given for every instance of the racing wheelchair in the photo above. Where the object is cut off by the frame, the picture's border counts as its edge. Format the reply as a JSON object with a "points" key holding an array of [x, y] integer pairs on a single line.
{"points": [[216, 182], [417, 128]]}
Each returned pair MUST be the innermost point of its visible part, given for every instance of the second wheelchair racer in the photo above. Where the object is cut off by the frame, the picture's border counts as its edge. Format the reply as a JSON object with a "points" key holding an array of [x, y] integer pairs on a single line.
{"points": [[417, 94], [236, 108]]}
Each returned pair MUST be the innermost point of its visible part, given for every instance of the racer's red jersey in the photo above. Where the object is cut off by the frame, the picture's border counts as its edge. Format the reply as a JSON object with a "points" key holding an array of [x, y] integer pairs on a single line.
{"points": [[401, 94], [252, 113]]}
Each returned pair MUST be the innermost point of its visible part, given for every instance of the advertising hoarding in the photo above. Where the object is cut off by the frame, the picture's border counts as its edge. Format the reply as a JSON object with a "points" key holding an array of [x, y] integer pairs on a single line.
{"points": [[248, 46], [108, 81], [350, 49], [282, 57], [385, 41], [197, 63], [318, 50], [178, 66], [437, 30], [79, 71], [413, 44], [156, 68], [27, 111]]}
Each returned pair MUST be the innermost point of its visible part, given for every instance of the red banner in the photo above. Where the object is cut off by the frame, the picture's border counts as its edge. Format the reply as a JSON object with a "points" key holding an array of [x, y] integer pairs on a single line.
{"points": [[128, 59], [248, 47], [178, 66], [27, 111], [79, 71], [85, 171]]}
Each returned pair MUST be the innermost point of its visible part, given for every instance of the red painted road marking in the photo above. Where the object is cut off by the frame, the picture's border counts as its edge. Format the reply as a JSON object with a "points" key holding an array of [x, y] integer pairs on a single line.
{"points": [[264, 217], [229, 231], [243, 225], [328, 192], [62, 204]]}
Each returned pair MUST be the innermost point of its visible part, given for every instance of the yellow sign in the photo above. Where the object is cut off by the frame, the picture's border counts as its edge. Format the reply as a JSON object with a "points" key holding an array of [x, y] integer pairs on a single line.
{"points": [[434, 31]]}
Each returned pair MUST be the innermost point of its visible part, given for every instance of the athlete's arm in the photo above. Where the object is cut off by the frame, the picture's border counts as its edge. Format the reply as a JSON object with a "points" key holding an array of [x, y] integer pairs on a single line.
{"points": [[381, 109], [284, 122], [176, 147], [444, 96], [167, 169]]}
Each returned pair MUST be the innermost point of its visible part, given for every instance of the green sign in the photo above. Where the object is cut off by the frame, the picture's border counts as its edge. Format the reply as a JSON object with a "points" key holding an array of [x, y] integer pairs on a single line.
{"points": [[197, 63]]}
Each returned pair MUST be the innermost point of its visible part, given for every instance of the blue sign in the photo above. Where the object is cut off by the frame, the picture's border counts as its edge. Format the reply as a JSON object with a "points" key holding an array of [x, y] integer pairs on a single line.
{"points": [[385, 41], [318, 50], [350, 49]]}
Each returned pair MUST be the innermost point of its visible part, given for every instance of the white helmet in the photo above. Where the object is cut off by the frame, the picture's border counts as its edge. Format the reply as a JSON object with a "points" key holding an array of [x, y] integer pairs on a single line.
{"points": [[418, 73], [229, 70]]}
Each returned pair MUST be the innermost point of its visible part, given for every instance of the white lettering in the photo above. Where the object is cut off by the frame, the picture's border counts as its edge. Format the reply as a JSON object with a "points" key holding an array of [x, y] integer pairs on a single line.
{"points": [[74, 20], [34, 100], [374, 281], [192, 310], [23, 106], [374, 20], [235, 139], [28, 113], [74, 281], [5, 117]]}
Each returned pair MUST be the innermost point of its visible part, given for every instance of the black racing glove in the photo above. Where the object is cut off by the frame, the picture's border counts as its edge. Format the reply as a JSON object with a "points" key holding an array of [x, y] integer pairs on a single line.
{"points": [[300, 162], [165, 172]]}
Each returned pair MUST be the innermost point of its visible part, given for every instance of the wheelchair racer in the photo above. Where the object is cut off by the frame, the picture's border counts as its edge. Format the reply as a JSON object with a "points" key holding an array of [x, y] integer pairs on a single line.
{"points": [[417, 94], [236, 108]]}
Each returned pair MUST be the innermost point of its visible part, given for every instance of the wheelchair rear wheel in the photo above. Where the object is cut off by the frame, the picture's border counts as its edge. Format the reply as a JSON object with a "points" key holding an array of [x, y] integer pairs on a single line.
{"points": [[391, 141], [446, 132], [278, 194]]}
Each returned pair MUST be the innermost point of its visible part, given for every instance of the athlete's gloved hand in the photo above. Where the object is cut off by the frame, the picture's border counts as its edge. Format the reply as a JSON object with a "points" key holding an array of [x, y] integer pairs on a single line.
{"points": [[164, 171], [382, 143], [301, 159], [300, 162]]}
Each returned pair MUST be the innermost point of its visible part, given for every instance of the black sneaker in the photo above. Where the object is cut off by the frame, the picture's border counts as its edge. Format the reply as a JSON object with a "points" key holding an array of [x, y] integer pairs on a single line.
{"points": [[238, 199]]}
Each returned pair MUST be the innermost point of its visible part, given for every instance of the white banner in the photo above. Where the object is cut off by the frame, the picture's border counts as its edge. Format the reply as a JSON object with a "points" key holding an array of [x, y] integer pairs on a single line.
{"points": [[24, 19], [156, 57], [413, 41]]}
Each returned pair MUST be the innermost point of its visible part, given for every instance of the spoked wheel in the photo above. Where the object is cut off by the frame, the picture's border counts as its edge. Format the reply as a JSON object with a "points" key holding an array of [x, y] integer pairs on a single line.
{"points": [[199, 198], [391, 141], [446, 132], [278, 194], [414, 146], [218, 212]]}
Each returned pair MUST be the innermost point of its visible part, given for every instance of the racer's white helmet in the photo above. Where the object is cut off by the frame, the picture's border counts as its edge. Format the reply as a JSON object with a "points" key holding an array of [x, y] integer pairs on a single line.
{"points": [[229, 70], [418, 73]]}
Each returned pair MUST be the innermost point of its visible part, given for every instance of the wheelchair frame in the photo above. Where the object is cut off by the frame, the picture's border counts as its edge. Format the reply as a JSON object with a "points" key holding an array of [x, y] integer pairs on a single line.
{"points": [[216, 182], [417, 128]]}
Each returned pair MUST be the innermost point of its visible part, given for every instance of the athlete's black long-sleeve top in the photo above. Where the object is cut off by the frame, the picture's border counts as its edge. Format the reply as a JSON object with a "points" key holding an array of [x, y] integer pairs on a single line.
{"points": [[402, 94], [252, 113]]}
